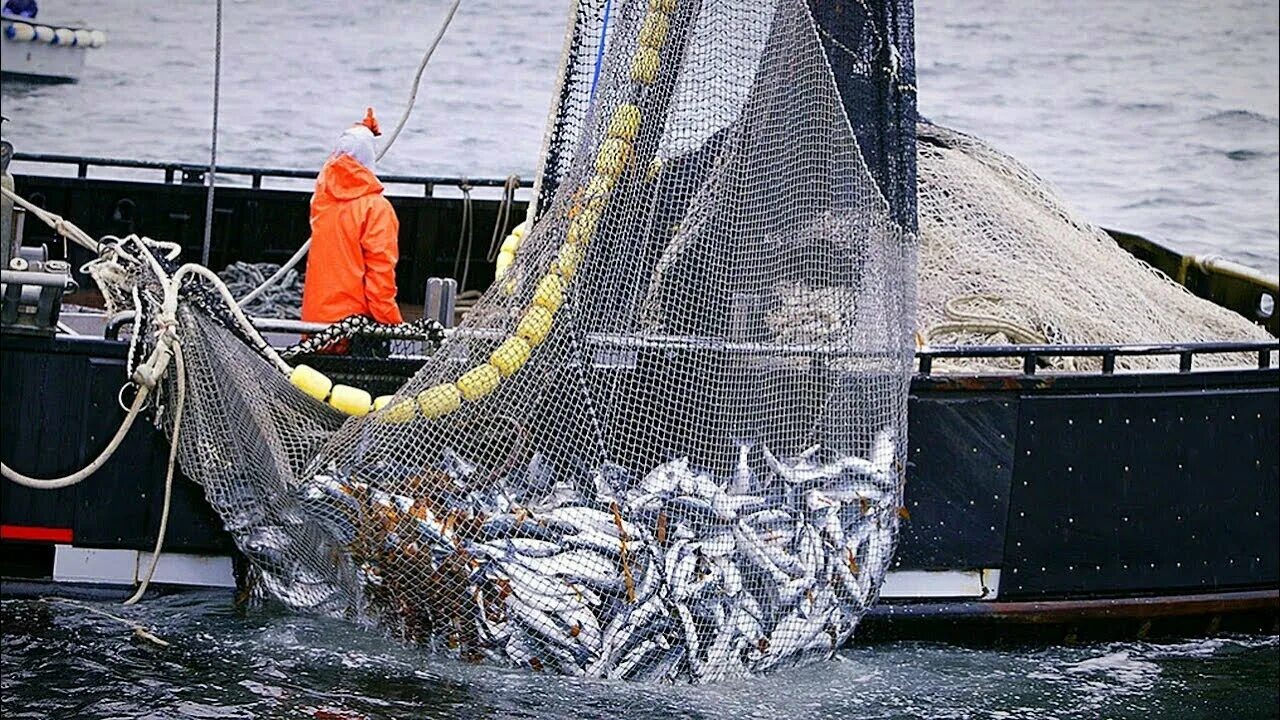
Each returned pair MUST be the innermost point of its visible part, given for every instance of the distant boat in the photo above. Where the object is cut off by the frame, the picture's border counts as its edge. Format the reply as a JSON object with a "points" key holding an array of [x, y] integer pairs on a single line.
{"points": [[44, 52]]}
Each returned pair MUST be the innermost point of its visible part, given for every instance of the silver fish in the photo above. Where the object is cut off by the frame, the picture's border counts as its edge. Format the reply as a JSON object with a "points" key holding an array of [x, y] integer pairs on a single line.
{"points": [[562, 494], [753, 548], [690, 627], [589, 518], [578, 566], [792, 591], [620, 630], [646, 502], [547, 594], [741, 484], [541, 626], [792, 634], [771, 516], [632, 660], [719, 545], [729, 576], [661, 665], [529, 547], [698, 485], [666, 477], [518, 647], [717, 664], [455, 466], [599, 542], [808, 550], [806, 473], [883, 452], [727, 506]]}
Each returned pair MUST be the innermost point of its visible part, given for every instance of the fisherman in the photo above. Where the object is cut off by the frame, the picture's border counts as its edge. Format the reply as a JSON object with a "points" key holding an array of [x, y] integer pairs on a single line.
{"points": [[354, 236]]}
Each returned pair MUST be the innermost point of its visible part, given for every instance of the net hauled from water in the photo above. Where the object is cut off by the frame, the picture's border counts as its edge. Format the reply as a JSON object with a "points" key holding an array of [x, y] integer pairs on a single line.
{"points": [[666, 446]]}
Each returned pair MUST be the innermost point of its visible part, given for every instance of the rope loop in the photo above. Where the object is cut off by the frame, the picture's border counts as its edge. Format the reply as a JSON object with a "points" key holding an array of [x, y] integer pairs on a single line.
{"points": [[146, 405]]}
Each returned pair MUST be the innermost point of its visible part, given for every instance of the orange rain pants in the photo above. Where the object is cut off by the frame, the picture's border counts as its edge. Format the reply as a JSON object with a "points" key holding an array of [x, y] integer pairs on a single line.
{"points": [[351, 269]]}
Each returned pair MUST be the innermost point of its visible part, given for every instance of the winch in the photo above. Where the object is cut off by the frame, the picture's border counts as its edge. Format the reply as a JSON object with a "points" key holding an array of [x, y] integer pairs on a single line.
{"points": [[32, 288], [31, 285]]}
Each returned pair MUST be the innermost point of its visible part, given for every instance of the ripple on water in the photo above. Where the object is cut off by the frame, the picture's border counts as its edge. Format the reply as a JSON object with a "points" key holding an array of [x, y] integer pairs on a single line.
{"points": [[60, 660]]}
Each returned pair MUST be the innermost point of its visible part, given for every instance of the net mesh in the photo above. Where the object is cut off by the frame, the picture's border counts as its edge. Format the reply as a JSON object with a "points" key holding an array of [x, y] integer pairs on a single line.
{"points": [[668, 444], [1003, 260]]}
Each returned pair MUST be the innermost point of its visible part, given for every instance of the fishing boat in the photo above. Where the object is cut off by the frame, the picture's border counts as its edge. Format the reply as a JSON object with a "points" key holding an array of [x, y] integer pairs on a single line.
{"points": [[38, 51], [1059, 505]]}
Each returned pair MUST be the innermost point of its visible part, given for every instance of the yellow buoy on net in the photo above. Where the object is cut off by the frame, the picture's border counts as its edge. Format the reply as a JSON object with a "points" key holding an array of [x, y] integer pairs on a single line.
{"points": [[582, 227], [479, 381], [349, 400], [625, 122], [614, 155], [439, 400], [311, 381], [597, 192], [654, 29], [644, 66], [568, 260], [535, 325], [511, 355], [550, 292], [400, 412]]}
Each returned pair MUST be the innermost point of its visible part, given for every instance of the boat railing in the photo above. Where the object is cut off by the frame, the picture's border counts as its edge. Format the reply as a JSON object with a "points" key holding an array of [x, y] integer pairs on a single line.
{"points": [[1032, 354], [125, 318], [194, 174]]}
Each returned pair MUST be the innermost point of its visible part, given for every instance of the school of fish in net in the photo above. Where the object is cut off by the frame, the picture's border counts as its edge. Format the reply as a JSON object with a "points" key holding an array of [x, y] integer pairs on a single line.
{"points": [[608, 574]]}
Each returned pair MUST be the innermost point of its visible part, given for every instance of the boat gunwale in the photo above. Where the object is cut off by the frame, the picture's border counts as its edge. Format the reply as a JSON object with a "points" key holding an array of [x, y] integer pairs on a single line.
{"points": [[256, 174], [1198, 378]]}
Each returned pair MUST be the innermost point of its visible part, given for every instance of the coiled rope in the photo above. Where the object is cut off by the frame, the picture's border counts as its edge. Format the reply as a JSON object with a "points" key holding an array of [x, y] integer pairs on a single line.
{"points": [[961, 320]]}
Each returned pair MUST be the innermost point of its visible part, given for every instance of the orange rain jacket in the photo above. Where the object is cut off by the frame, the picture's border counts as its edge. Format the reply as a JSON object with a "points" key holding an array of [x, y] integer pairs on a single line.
{"points": [[354, 247]]}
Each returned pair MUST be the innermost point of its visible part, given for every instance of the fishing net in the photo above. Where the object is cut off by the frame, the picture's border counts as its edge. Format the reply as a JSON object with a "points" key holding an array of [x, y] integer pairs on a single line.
{"points": [[1003, 261], [667, 445]]}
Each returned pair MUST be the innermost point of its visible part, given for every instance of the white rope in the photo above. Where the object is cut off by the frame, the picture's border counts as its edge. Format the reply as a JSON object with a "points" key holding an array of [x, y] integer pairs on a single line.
{"points": [[148, 374], [181, 368], [139, 630], [63, 227], [417, 78], [213, 141], [171, 303], [74, 478]]}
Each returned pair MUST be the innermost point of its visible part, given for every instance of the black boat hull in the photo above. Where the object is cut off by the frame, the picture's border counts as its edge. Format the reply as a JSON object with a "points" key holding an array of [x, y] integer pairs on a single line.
{"points": [[1039, 505]]}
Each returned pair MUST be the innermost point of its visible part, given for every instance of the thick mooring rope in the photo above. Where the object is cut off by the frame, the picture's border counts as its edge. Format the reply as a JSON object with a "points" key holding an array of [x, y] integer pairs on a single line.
{"points": [[213, 140]]}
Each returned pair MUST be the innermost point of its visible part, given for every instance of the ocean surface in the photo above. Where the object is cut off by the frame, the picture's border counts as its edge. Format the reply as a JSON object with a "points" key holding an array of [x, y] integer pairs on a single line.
{"points": [[61, 662], [1159, 117]]}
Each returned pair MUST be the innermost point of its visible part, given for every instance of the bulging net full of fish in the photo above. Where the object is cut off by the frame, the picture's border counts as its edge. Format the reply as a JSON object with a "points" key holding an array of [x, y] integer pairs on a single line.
{"points": [[638, 456]]}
